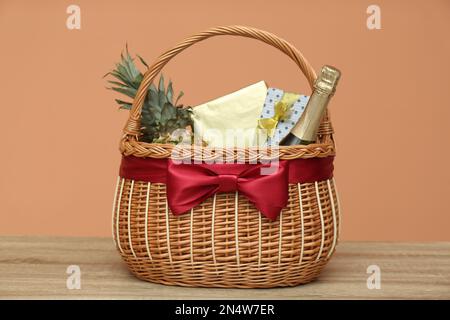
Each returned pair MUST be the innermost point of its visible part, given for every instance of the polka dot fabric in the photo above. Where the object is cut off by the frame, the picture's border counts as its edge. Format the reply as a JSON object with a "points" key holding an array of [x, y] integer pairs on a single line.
{"points": [[284, 126]]}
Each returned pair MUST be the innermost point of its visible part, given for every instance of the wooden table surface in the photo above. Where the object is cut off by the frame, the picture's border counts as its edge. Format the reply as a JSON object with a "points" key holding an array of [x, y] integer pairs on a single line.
{"points": [[35, 267]]}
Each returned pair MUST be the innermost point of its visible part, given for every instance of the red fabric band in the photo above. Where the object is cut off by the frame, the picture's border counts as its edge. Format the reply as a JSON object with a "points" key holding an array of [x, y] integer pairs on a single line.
{"points": [[265, 185]]}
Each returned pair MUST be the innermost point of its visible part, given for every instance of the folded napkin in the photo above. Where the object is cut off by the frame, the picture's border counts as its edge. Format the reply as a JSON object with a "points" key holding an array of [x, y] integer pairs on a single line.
{"points": [[231, 120]]}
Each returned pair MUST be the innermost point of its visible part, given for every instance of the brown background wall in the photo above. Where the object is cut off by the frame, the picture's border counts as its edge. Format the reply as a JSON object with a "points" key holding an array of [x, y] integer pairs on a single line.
{"points": [[60, 128]]}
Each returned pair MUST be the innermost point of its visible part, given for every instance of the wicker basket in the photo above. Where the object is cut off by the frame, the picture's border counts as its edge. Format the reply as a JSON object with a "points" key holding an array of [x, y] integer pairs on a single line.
{"points": [[225, 241]]}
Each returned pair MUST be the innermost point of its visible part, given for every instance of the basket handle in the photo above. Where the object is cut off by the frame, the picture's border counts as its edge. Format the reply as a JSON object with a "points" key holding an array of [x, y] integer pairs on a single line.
{"points": [[132, 127]]}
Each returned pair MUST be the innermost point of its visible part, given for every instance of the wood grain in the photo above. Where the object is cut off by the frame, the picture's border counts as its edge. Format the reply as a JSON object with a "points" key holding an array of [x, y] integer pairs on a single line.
{"points": [[35, 268]]}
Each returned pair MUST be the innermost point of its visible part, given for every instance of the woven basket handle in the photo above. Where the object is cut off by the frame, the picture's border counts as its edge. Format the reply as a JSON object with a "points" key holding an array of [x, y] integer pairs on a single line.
{"points": [[132, 127]]}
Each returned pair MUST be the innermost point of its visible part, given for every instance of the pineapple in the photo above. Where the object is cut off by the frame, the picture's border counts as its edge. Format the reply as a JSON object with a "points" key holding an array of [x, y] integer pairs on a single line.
{"points": [[161, 114]]}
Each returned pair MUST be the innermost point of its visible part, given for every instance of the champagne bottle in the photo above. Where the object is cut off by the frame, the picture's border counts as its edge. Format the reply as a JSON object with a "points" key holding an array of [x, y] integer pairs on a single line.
{"points": [[305, 131]]}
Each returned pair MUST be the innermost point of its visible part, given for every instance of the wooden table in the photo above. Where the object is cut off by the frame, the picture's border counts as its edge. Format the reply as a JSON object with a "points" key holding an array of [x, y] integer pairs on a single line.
{"points": [[35, 267]]}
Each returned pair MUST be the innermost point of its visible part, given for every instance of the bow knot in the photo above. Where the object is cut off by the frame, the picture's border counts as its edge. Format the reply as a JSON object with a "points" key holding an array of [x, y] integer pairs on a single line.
{"points": [[227, 182]]}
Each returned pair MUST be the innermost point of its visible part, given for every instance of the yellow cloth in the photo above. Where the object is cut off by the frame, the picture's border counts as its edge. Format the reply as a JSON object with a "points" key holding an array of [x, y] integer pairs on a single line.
{"points": [[231, 120]]}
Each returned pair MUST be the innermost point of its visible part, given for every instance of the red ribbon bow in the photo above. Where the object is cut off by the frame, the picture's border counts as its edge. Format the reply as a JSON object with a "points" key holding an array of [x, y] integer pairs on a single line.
{"points": [[190, 184]]}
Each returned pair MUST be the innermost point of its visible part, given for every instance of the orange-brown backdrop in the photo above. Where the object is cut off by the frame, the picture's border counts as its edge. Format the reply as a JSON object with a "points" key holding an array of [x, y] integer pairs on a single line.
{"points": [[60, 127]]}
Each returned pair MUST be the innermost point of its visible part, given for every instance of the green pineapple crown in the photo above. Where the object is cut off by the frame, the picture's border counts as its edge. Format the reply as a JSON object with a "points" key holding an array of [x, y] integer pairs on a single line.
{"points": [[161, 115]]}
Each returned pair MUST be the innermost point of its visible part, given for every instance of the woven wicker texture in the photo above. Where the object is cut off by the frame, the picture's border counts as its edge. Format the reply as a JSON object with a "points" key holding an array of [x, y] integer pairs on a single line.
{"points": [[225, 241]]}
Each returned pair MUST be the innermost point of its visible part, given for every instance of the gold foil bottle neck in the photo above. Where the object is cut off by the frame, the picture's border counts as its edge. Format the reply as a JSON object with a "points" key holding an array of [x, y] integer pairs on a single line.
{"points": [[328, 79]]}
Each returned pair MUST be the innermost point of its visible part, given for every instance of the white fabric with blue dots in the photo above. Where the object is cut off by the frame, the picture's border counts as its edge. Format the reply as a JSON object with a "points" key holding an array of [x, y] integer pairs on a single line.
{"points": [[284, 126]]}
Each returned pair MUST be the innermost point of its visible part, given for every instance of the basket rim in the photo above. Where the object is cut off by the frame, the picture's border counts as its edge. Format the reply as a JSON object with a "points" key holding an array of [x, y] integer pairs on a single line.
{"points": [[130, 146]]}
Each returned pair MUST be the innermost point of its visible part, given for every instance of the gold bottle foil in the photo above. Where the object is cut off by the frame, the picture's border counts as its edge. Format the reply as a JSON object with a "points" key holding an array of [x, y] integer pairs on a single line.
{"points": [[324, 88]]}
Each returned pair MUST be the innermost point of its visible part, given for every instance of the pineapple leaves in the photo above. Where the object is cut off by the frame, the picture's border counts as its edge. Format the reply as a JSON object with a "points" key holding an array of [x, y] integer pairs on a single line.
{"points": [[153, 90], [121, 77], [130, 92], [142, 61], [153, 98], [179, 96], [168, 112], [170, 92], [123, 104], [160, 114], [130, 67], [161, 85]]}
